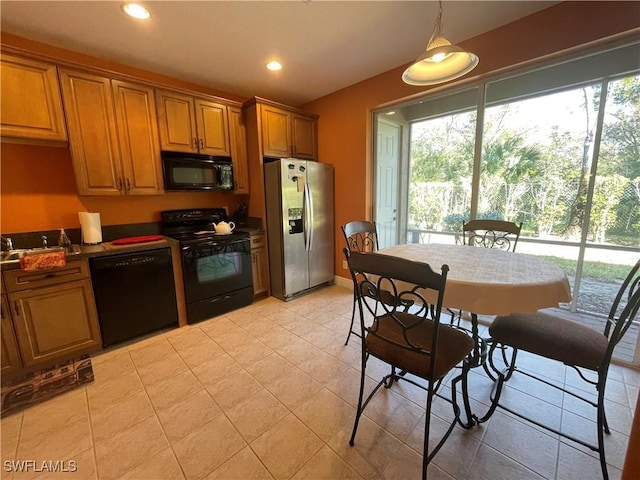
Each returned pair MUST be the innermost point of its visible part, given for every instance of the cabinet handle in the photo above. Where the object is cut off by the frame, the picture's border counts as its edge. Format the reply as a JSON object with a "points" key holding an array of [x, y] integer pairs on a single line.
{"points": [[128, 185], [293, 151], [16, 306], [195, 143], [201, 144], [120, 183]]}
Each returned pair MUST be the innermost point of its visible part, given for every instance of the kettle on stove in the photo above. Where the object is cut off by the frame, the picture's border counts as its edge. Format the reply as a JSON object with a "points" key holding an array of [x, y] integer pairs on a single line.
{"points": [[224, 228]]}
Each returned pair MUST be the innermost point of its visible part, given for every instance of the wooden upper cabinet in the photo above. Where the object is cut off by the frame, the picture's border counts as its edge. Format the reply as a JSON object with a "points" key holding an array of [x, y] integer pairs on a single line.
{"points": [[288, 133], [238, 141], [31, 107], [212, 124], [177, 122], [276, 137], [112, 135], [189, 124], [93, 138], [303, 134], [138, 138]]}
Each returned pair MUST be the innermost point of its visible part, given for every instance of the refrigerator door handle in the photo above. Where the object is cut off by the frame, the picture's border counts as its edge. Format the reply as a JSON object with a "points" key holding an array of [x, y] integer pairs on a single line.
{"points": [[306, 219], [311, 219]]}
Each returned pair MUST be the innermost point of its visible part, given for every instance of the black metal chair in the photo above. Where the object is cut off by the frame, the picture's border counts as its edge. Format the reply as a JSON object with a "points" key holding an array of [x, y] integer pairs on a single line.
{"points": [[405, 331], [491, 234], [576, 345], [361, 236]]}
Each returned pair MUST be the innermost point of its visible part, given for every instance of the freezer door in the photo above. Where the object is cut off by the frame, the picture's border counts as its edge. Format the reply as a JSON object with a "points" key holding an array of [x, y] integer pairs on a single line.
{"points": [[288, 257], [296, 264], [320, 230]]}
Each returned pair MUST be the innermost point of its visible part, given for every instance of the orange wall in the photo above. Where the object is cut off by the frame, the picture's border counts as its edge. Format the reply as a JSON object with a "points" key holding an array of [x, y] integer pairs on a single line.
{"points": [[37, 189], [344, 127], [37, 184]]}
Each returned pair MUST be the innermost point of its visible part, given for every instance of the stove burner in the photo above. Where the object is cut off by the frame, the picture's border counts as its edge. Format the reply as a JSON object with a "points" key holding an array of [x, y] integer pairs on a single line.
{"points": [[195, 225]]}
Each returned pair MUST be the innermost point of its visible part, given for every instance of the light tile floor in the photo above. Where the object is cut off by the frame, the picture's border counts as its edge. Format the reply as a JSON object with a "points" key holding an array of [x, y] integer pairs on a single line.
{"points": [[268, 391]]}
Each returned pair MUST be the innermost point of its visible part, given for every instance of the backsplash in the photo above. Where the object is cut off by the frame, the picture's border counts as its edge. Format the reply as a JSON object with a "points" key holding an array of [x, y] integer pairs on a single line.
{"points": [[109, 233]]}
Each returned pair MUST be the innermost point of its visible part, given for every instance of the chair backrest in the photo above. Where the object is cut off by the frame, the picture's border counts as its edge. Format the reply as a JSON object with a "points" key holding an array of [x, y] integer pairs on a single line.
{"points": [[417, 292], [624, 308], [361, 236], [491, 234]]}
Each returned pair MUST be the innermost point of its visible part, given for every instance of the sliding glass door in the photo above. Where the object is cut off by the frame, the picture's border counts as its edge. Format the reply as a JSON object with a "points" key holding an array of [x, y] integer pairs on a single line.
{"points": [[556, 148]]}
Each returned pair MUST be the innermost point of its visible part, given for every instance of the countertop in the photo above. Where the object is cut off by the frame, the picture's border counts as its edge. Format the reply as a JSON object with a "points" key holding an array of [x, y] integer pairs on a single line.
{"points": [[107, 248], [250, 230]]}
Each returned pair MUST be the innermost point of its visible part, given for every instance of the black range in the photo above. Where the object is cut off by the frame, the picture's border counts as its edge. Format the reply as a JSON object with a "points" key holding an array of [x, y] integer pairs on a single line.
{"points": [[216, 267]]}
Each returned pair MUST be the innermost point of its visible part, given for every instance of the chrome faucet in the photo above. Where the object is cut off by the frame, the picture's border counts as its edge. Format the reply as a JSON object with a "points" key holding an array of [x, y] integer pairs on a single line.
{"points": [[8, 242]]}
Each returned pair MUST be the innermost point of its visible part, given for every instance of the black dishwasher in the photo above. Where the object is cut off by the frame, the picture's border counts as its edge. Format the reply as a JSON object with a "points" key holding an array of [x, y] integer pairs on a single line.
{"points": [[135, 294]]}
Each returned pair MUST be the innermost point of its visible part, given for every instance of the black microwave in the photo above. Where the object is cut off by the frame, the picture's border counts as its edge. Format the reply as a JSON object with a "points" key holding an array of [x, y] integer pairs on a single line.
{"points": [[191, 171]]}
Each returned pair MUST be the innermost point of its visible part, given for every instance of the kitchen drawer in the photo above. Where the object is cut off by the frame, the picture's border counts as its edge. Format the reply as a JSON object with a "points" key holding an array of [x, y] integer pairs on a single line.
{"points": [[257, 241], [17, 280]]}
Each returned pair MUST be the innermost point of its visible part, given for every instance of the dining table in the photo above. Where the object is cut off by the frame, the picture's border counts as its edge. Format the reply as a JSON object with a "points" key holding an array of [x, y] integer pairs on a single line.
{"points": [[487, 281]]}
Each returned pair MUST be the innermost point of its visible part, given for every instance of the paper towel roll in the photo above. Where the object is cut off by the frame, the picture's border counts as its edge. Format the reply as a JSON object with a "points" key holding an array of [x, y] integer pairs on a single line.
{"points": [[91, 229]]}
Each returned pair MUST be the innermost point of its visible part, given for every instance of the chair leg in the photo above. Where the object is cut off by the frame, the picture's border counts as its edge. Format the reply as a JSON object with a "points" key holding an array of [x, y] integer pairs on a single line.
{"points": [[511, 364], [427, 429], [353, 316], [463, 377], [494, 396], [360, 396], [602, 428], [489, 365]]}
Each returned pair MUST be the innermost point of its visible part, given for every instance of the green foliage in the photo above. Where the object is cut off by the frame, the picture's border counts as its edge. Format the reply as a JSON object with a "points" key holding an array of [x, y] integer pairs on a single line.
{"points": [[609, 272], [530, 177]]}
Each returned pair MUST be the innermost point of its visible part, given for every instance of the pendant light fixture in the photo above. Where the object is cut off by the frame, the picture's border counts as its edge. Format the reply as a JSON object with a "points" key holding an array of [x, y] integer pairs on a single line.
{"points": [[441, 61]]}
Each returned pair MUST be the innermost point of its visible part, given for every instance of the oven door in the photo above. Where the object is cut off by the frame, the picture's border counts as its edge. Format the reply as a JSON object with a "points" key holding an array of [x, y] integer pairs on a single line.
{"points": [[215, 268]]}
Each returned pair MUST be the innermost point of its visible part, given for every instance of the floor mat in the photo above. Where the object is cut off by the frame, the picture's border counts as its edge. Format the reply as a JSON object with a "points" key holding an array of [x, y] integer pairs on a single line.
{"points": [[38, 386]]}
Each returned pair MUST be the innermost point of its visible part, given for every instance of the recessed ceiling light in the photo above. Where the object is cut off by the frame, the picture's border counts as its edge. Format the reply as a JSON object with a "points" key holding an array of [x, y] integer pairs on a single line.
{"points": [[274, 65], [136, 10]]}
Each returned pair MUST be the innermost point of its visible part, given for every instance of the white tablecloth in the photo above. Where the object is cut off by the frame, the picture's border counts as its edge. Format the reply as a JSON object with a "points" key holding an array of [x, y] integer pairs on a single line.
{"points": [[491, 282]]}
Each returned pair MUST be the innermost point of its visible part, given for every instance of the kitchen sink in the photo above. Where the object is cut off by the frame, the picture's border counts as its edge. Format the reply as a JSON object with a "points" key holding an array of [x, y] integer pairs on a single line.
{"points": [[13, 256]]}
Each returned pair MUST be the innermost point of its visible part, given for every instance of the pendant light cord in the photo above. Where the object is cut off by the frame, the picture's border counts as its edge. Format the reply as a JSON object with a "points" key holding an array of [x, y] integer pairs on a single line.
{"points": [[437, 28]]}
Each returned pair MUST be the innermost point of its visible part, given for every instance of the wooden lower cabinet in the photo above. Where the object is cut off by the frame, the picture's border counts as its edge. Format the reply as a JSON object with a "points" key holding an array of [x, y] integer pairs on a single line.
{"points": [[259, 265], [53, 314], [11, 361]]}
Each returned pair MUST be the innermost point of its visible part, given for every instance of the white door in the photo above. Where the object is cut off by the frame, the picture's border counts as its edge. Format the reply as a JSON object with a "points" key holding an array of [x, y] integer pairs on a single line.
{"points": [[387, 161]]}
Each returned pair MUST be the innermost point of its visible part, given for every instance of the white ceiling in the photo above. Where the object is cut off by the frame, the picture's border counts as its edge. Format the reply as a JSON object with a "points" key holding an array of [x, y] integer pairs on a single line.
{"points": [[324, 45]]}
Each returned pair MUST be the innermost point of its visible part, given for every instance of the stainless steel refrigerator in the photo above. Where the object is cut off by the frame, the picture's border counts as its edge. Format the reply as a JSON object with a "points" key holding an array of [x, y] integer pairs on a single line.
{"points": [[299, 200]]}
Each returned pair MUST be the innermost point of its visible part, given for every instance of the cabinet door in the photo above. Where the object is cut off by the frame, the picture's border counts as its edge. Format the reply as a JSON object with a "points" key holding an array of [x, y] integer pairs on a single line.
{"points": [[259, 259], [93, 138], [238, 134], [55, 323], [259, 264], [10, 357], [177, 122], [138, 138], [31, 106], [276, 141], [213, 128], [303, 133]]}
